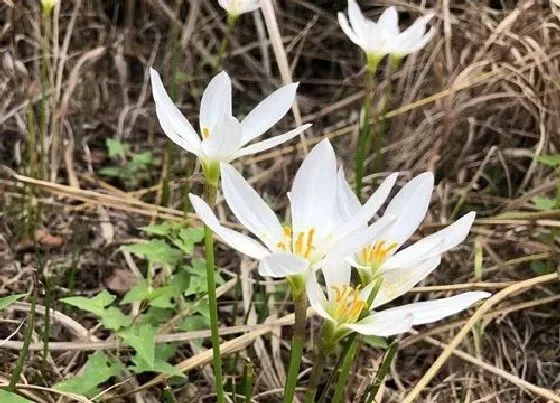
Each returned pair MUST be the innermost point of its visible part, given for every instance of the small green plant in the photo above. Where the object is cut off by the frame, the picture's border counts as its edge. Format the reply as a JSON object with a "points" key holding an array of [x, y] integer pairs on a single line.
{"points": [[133, 167], [179, 288], [545, 203]]}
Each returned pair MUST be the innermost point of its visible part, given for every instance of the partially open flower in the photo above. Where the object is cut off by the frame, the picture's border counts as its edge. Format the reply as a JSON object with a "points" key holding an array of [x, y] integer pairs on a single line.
{"points": [[316, 235], [383, 37], [235, 8], [222, 137], [345, 308], [400, 270]]}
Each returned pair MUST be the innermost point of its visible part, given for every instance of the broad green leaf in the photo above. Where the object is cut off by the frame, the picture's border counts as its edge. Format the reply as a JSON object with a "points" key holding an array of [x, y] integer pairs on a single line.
{"points": [[137, 293], [155, 316], [187, 237], [142, 159], [99, 368], [159, 229], [198, 282], [115, 147], [143, 339], [552, 160], [194, 322], [544, 203], [9, 397], [115, 172], [10, 299], [111, 317], [376, 341], [162, 353], [155, 250]]}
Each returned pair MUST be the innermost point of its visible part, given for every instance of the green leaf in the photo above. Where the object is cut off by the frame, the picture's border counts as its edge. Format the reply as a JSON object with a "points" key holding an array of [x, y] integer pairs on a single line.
{"points": [[187, 238], [544, 203], [194, 323], [9, 397], [155, 250], [115, 147], [142, 159], [164, 228], [198, 282], [111, 317], [155, 316], [115, 172], [552, 160], [137, 293], [143, 339], [376, 341], [99, 368], [10, 299], [163, 352]]}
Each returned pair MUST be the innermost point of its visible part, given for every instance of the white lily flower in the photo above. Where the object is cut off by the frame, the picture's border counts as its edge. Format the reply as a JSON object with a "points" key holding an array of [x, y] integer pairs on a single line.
{"points": [[223, 138], [235, 8], [344, 304], [400, 270], [383, 37], [315, 237]]}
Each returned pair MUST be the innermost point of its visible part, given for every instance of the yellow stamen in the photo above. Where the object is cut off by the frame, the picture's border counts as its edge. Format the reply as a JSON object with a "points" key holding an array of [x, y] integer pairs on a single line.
{"points": [[205, 132], [347, 304], [376, 254]]}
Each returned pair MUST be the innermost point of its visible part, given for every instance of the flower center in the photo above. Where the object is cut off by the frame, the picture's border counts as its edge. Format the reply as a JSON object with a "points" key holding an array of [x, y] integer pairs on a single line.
{"points": [[205, 132], [347, 305], [300, 245], [375, 255]]}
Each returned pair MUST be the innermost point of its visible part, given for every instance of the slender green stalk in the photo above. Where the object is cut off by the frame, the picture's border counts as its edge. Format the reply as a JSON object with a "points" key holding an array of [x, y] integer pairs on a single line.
{"points": [[210, 193], [247, 381], [44, 79], [354, 341], [383, 371], [47, 327], [298, 340], [25, 348], [324, 345], [365, 129], [231, 20]]}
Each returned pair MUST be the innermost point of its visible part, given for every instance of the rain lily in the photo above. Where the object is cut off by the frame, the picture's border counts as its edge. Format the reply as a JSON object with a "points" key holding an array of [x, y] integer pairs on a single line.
{"points": [[316, 236], [400, 270], [383, 37], [235, 8], [222, 137], [344, 305]]}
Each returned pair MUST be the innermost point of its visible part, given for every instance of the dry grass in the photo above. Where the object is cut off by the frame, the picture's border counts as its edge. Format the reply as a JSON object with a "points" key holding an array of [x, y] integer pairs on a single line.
{"points": [[475, 107]]}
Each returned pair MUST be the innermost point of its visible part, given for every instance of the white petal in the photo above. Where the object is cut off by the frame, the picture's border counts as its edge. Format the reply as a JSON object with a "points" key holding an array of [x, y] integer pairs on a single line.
{"points": [[336, 274], [234, 239], [172, 121], [268, 112], [366, 212], [316, 296], [314, 191], [245, 6], [388, 22], [434, 244], [399, 281], [347, 30], [345, 247], [357, 20], [249, 208], [383, 324], [409, 40], [224, 4], [347, 203], [415, 253], [409, 206], [224, 139], [271, 142], [282, 264], [432, 311], [216, 102]]}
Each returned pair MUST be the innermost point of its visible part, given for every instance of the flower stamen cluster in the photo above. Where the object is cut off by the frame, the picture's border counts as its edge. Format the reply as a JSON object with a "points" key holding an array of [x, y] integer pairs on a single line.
{"points": [[348, 304]]}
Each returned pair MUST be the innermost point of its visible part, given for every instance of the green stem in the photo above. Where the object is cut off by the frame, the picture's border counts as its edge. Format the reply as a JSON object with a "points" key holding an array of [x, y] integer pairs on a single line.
{"points": [[354, 341], [383, 371], [225, 42], [298, 339], [365, 129], [44, 72], [25, 348], [325, 344], [210, 192], [47, 326]]}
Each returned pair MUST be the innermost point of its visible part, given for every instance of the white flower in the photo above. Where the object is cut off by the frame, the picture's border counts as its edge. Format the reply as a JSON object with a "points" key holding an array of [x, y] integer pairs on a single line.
{"points": [[238, 7], [315, 237], [400, 270], [223, 138], [383, 37], [344, 305]]}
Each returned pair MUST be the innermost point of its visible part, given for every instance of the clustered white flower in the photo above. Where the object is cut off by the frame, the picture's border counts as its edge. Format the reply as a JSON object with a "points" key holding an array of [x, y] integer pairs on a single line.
{"points": [[330, 230]]}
